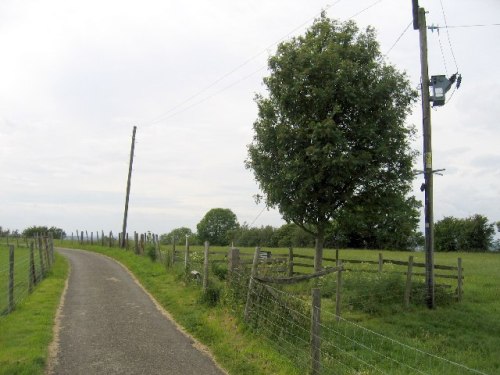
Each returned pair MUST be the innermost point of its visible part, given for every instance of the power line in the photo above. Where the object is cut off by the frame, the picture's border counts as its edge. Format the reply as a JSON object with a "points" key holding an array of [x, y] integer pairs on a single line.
{"points": [[448, 34], [467, 26], [265, 50], [399, 38], [365, 9]]}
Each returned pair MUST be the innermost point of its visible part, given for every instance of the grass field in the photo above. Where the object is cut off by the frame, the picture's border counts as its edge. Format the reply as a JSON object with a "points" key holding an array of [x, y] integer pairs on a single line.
{"points": [[26, 333], [467, 332], [21, 273]]}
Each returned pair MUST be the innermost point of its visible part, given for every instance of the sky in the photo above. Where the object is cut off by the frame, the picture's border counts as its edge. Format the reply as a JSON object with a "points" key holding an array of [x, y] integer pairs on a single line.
{"points": [[76, 76]]}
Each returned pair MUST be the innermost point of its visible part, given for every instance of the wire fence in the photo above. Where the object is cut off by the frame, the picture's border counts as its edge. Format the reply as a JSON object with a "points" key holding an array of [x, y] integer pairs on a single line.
{"points": [[22, 267], [282, 315]]}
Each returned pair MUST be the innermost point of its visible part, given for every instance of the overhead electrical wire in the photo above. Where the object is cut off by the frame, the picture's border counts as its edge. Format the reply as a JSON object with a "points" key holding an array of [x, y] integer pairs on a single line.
{"points": [[209, 86], [448, 34], [468, 26], [399, 38], [176, 109]]}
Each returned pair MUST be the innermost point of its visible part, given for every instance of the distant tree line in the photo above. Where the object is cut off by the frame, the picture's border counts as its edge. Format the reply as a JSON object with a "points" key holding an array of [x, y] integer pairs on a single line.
{"points": [[365, 229], [33, 231]]}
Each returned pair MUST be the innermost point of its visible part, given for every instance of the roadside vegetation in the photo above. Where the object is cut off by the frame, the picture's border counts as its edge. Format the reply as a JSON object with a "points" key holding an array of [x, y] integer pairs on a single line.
{"points": [[26, 333], [466, 332]]}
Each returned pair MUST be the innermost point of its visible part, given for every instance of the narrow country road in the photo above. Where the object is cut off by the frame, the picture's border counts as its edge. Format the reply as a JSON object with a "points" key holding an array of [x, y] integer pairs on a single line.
{"points": [[109, 325]]}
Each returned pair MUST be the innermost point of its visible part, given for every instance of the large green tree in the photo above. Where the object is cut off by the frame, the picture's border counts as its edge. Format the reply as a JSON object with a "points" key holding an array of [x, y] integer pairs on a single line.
{"points": [[216, 226], [331, 128], [474, 233]]}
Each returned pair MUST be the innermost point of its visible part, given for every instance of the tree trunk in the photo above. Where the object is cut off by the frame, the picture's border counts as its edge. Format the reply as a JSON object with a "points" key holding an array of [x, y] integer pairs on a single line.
{"points": [[318, 255]]}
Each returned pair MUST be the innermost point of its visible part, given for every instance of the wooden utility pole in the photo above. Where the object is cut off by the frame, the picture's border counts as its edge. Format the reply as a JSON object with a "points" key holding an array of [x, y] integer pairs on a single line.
{"points": [[125, 214], [428, 172]]}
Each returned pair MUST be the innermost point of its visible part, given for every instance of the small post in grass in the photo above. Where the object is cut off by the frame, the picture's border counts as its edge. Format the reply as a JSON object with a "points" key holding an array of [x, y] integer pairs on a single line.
{"points": [[31, 269], [255, 265], [409, 275], [338, 294], [316, 332], [290, 261], [459, 281], [205, 267], [40, 253], [11, 278]]}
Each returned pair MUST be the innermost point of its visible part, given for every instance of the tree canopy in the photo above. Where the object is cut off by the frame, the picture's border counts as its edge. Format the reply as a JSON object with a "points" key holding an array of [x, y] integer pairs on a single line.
{"points": [[474, 233], [216, 226], [330, 135], [42, 230]]}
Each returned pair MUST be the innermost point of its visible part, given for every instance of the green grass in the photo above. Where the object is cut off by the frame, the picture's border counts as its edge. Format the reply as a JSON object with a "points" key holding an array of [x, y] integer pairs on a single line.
{"points": [[233, 346], [21, 271], [467, 332], [27, 332]]}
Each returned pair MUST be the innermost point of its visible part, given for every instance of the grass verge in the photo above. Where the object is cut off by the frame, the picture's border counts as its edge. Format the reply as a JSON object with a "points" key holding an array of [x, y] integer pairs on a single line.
{"points": [[235, 348], [27, 332]]}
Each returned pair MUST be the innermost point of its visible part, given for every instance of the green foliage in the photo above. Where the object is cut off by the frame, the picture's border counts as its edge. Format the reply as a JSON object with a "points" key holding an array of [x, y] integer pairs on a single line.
{"points": [[331, 136], [179, 234], [151, 252], [210, 296], [27, 331], [217, 225], [470, 234], [34, 230]]}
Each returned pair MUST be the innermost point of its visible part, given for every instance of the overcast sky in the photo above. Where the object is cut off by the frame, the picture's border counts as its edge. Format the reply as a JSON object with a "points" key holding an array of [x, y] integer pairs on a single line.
{"points": [[76, 76]]}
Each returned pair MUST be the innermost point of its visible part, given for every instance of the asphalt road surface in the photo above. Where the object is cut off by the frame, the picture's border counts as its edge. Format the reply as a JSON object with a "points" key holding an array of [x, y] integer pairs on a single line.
{"points": [[109, 325]]}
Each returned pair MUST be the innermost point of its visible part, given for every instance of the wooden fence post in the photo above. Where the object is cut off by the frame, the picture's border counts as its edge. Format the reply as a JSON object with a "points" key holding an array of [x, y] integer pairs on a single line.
{"points": [[186, 254], [40, 253], [459, 281], [51, 247], [409, 275], [380, 262], [173, 250], [102, 237], [316, 332], [11, 278], [338, 293], [234, 260], [136, 243], [141, 244], [110, 239], [92, 238], [31, 269], [81, 238], [46, 251], [205, 267], [255, 265], [290, 261]]}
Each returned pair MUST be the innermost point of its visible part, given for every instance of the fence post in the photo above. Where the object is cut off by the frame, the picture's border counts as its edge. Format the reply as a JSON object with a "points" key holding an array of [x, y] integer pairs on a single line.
{"points": [[92, 238], [173, 250], [186, 254], [102, 237], [51, 247], [141, 244], [46, 249], [81, 238], [136, 243], [290, 261], [205, 267], [380, 262], [409, 275], [110, 239], [253, 273], [11, 278], [234, 260], [338, 293], [459, 281], [31, 270], [316, 332], [40, 253]]}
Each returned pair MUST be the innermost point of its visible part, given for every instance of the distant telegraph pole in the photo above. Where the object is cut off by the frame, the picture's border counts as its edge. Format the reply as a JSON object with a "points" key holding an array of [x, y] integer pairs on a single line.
{"points": [[419, 23], [125, 214]]}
